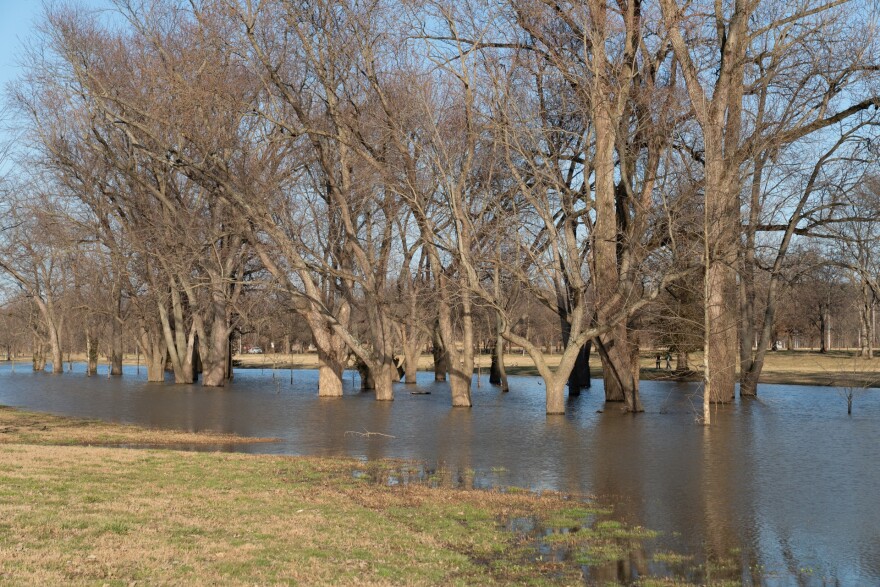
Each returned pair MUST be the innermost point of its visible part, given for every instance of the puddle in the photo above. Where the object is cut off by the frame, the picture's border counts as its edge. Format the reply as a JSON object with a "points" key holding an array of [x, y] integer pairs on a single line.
{"points": [[609, 551]]}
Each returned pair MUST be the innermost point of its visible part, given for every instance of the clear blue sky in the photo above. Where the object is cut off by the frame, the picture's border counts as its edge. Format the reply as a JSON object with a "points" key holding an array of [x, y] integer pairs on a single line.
{"points": [[16, 21]]}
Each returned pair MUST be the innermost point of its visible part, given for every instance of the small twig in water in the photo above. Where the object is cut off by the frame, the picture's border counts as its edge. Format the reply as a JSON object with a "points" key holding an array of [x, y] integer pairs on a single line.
{"points": [[368, 434]]}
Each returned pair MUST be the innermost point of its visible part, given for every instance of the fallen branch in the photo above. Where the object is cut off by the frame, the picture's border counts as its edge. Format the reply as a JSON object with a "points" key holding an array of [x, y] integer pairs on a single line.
{"points": [[367, 434]]}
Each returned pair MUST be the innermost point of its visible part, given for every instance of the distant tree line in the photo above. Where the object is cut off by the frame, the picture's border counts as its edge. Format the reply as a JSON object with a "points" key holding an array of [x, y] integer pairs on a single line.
{"points": [[379, 177]]}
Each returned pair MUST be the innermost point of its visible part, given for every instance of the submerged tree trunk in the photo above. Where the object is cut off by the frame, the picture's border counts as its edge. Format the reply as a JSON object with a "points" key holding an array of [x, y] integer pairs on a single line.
{"points": [[151, 344], [91, 353], [615, 363], [722, 218], [180, 345], [368, 382], [580, 375], [329, 376], [215, 343], [383, 380], [439, 354], [460, 362], [410, 364], [620, 371], [116, 352], [411, 340], [331, 356], [38, 355], [555, 402], [497, 371]]}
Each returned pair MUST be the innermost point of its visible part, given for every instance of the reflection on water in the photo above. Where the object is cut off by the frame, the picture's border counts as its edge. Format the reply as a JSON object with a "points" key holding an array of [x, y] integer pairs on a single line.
{"points": [[780, 490]]}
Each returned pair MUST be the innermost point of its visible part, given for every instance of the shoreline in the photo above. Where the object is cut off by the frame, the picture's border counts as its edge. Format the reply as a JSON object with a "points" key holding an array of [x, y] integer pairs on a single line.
{"points": [[18, 426], [77, 514], [799, 367]]}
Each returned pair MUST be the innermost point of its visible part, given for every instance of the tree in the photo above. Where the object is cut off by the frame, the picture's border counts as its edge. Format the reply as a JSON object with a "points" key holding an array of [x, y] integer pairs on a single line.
{"points": [[36, 254], [733, 58]]}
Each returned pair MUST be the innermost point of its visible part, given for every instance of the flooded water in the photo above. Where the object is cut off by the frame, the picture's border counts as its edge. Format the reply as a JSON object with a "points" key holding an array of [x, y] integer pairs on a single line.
{"points": [[778, 491]]}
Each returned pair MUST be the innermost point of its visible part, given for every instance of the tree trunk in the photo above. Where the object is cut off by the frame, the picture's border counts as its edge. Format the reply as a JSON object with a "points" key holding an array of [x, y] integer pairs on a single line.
{"points": [[824, 329], [330, 370], [681, 361], [156, 367], [631, 391], [332, 350], [722, 223], [383, 381], [91, 353], [216, 345], [180, 346], [411, 340], [439, 353], [460, 362], [580, 375], [55, 347], [497, 372], [866, 331], [38, 355], [721, 332], [368, 383], [151, 344], [555, 396], [615, 363], [116, 353], [748, 316], [620, 369], [410, 363]]}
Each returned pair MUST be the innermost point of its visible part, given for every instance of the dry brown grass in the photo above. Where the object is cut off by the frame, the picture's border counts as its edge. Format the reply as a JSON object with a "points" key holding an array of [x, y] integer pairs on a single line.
{"points": [[83, 515], [801, 367], [95, 516], [19, 426]]}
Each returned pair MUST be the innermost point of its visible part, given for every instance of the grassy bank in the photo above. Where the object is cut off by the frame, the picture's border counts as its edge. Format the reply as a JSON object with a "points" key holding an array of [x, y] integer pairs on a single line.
{"points": [[800, 367], [23, 427], [110, 516]]}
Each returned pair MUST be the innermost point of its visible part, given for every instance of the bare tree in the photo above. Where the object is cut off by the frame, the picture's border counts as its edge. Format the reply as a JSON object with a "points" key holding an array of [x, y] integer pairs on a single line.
{"points": [[730, 55], [36, 254]]}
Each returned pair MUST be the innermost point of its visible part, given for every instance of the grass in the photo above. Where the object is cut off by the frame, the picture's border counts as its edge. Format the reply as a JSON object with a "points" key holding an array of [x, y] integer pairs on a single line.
{"points": [[85, 515], [94, 515], [797, 367], [19, 426]]}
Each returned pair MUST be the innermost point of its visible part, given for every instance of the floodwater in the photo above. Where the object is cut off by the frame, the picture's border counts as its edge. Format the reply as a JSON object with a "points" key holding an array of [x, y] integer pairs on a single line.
{"points": [[785, 489]]}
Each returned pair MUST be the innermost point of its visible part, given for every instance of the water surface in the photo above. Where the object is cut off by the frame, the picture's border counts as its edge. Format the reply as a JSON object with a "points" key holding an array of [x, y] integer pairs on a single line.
{"points": [[787, 486]]}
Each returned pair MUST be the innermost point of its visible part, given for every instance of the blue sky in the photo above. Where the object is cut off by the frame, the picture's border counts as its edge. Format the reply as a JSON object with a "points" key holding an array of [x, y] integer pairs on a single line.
{"points": [[16, 24], [17, 19]]}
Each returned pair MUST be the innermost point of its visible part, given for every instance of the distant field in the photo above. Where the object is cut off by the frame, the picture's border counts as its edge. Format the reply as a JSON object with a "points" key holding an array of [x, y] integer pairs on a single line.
{"points": [[802, 367]]}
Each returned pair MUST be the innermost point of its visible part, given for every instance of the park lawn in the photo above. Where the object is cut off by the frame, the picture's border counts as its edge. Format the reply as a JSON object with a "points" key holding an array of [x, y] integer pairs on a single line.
{"points": [[799, 367], [24, 427], [86, 515]]}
